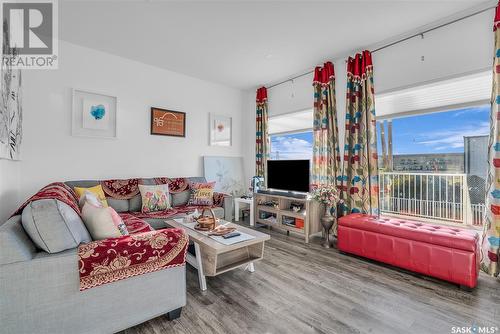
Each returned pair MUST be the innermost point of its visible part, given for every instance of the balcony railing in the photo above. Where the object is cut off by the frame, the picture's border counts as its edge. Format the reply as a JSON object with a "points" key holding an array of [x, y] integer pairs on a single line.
{"points": [[442, 197]]}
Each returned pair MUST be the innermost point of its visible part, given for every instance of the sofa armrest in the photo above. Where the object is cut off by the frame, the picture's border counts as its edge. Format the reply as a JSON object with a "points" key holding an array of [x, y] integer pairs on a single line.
{"points": [[226, 202], [112, 259], [34, 294]]}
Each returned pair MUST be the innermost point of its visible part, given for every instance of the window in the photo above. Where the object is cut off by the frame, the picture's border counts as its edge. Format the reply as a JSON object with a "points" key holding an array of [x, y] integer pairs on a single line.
{"points": [[291, 135], [437, 142], [436, 165], [291, 146]]}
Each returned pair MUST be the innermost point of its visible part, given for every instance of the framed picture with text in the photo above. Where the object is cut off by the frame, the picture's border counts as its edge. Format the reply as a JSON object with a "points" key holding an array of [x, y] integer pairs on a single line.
{"points": [[168, 122]]}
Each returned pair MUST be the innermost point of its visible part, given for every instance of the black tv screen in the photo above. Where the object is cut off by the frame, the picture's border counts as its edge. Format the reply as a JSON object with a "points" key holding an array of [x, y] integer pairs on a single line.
{"points": [[290, 175]]}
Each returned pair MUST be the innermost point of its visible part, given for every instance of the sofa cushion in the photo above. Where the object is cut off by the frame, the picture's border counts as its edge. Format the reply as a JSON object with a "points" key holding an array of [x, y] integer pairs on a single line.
{"points": [[135, 203], [120, 205], [16, 244], [96, 190], [202, 193], [181, 199], [82, 183], [89, 197], [154, 198], [103, 223], [53, 225], [447, 236]]}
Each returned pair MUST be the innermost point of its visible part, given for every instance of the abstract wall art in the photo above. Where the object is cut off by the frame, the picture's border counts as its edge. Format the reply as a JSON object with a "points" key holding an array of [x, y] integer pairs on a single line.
{"points": [[11, 111], [220, 130], [94, 115]]}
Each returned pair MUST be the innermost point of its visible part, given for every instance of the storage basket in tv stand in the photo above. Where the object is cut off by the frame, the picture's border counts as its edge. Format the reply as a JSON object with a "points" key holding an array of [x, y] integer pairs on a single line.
{"points": [[310, 214]]}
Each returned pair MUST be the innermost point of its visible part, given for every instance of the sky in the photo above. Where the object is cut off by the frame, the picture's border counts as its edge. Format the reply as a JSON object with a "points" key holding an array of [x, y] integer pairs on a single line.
{"points": [[440, 132], [292, 146]]}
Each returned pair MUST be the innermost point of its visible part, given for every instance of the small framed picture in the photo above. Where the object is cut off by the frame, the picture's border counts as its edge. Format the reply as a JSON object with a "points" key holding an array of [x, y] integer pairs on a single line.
{"points": [[93, 115], [220, 130], [168, 122]]}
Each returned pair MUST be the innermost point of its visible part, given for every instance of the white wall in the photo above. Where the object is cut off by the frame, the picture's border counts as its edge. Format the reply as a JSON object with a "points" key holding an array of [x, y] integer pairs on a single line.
{"points": [[9, 188], [50, 153], [460, 48]]}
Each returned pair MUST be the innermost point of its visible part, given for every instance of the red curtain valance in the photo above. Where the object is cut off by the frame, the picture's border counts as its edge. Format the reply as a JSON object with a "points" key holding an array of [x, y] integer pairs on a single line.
{"points": [[323, 75], [360, 64], [261, 94], [497, 17]]}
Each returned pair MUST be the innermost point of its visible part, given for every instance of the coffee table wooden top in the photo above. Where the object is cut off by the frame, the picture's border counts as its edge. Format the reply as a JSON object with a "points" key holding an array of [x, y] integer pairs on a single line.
{"points": [[216, 246]]}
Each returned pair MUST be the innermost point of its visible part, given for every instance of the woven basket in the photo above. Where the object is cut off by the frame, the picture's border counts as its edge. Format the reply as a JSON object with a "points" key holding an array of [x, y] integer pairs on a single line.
{"points": [[206, 223]]}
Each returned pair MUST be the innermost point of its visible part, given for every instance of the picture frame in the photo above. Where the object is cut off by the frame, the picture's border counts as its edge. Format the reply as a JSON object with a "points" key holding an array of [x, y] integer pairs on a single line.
{"points": [[221, 132], [166, 122], [94, 115]]}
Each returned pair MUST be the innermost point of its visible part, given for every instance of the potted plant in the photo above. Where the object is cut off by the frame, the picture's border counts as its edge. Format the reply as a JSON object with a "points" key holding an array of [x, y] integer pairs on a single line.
{"points": [[329, 196]]}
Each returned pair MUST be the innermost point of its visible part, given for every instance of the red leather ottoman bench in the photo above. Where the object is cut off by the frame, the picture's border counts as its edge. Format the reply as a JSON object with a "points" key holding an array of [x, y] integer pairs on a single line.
{"points": [[448, 253]]}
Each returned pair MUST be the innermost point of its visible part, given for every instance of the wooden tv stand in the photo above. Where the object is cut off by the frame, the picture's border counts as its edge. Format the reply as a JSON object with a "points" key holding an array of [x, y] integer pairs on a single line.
{"points": [[310, 214]]}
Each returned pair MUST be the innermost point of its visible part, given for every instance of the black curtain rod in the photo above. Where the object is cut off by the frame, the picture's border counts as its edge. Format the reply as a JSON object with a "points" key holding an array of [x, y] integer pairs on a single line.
{"points": [[396, 42]]}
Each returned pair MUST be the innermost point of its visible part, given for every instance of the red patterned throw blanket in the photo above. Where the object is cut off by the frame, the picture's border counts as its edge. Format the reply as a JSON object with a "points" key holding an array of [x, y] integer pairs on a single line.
{"points": [[135, 224], [167, 213], [56, 190], [175, 185], [110, 260], [121, 189], [128, 188]]}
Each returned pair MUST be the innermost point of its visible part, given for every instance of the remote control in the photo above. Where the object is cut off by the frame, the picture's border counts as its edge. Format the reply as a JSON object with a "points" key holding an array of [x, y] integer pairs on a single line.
{"points": [[231, 235]]}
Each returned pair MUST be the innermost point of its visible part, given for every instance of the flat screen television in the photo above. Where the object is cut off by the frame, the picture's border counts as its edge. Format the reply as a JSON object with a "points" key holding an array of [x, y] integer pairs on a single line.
{"points": [[288, 175]]}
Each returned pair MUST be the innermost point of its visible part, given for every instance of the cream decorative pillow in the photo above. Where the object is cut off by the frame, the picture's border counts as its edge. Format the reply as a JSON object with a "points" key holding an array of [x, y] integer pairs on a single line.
{"points": [[103, 223], [89, 197], [154, 198]]}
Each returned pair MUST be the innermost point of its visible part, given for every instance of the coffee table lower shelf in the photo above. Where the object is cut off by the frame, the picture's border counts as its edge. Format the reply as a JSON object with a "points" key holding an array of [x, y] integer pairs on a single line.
{"points": [[214, 264]]}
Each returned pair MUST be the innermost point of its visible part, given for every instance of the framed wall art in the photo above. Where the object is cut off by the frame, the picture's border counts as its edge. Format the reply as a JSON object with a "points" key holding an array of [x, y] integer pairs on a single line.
{"points": [[168, 122], [220, 130], [94, 115]]}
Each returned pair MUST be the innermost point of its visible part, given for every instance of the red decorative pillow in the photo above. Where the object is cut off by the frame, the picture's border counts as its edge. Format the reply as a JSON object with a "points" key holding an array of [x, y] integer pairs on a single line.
{"points": [[202, 193]]}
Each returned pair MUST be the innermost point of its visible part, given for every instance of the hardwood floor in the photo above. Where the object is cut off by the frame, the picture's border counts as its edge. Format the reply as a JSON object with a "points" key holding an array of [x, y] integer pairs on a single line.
{"points": [[300, 288]]}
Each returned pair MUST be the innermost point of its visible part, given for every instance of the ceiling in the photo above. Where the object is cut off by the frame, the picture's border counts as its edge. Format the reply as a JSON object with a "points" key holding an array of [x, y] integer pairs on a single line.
{"points": [[243, 44]]}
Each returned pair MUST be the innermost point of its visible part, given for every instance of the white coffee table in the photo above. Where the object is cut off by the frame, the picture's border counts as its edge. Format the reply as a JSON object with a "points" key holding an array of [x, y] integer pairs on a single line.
{"points": [[212, 258], [237, 202]]}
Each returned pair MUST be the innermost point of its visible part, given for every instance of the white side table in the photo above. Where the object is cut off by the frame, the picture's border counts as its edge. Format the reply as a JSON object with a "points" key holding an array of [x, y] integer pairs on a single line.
{"points": [[237, 202]]}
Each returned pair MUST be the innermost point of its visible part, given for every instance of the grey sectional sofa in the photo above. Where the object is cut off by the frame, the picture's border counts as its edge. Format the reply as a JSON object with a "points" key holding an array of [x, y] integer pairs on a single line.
{"points": [[39, 292]]}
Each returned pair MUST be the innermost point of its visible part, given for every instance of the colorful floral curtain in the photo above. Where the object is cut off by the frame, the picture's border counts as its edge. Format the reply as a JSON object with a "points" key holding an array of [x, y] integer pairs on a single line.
{"points": [[261, 134], [359, 181], [326, 157], [491, 235]]}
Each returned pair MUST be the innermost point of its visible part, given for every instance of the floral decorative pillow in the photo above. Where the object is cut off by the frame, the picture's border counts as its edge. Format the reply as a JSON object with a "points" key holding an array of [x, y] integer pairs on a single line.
{"points": [[202, 193], [154, 198]]}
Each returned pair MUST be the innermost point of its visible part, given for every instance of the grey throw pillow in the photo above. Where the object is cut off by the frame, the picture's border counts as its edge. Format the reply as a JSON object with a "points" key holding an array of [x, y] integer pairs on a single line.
{"points": [[53, 225], [135, 203], [181, 198]]}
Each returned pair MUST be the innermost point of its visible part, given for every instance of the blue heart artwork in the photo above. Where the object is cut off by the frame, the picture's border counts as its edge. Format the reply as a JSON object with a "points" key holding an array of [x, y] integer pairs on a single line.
{"points": [[98, 111]]}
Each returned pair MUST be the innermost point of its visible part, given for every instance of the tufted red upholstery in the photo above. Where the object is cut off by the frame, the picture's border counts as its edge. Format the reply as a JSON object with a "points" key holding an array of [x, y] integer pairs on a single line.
{"points": [[444, 252]]}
